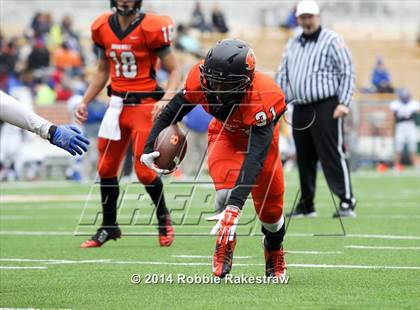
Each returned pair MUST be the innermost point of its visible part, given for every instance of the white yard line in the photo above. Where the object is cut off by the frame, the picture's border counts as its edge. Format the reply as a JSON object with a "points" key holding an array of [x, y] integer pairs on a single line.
{"points": [[314, 252], [389, 217], [67, 233], [58, 198], [353, 266], [362, 236], [376, 206], [397, 248], [63, 184], [34, 233], [372, 216], [31, 309], [22, 267], [138, 216], [123, 262], [31, 260], [26, 206], [206, 256], [40, 184], [374, 236], [23, 198]]}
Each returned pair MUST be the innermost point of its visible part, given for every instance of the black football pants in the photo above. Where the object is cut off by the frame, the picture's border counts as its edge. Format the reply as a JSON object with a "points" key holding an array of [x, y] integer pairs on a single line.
{"points": [[322, 141]]}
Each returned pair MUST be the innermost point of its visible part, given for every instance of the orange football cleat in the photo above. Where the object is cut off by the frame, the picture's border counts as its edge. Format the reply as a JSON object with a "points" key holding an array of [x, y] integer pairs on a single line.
{"points": [[226, 240], [102, 235], [223, 257], [275, 264], [166, 233]]}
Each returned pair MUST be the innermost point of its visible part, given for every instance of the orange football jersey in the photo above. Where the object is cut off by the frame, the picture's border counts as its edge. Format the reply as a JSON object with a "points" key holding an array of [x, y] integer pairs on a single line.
{"points": [[263, 102], [132, 53]]}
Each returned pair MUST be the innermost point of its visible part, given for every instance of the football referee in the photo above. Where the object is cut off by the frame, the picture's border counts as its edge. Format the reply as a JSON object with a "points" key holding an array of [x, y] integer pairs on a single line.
{"points": [[317, 76]]}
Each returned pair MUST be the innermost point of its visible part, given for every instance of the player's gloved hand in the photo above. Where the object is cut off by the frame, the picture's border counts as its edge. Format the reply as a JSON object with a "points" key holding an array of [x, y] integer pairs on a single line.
{"points": [[68, 138], [226, 226], [149, 161]]}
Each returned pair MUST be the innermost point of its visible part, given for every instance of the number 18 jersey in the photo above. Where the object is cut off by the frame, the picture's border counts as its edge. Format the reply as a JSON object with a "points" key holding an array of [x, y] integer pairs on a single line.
{"points": [[132, 53]]}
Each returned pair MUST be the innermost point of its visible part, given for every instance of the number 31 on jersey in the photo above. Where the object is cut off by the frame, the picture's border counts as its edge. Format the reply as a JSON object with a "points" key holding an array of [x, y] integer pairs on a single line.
{"points": [[261, 117]]}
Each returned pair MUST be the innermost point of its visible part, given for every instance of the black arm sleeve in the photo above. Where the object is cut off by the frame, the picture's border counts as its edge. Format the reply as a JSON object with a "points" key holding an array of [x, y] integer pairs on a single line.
{"points": [[259, 143], [173, 112]]}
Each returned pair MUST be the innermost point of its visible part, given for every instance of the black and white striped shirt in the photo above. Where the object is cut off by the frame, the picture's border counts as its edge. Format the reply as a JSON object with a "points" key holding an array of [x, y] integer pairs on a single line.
{"points": [[316, 69]]}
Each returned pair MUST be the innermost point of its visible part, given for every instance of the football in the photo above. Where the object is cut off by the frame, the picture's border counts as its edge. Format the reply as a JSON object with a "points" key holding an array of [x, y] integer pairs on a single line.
{"points": [[172, 145]]}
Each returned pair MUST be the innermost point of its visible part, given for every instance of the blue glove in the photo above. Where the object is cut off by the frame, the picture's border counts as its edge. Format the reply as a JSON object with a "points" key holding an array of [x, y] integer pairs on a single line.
{"points": [[68, 138]]}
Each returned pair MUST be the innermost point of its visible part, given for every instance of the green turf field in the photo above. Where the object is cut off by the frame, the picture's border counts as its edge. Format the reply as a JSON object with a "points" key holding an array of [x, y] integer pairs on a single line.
{"points": [[377, 265]]}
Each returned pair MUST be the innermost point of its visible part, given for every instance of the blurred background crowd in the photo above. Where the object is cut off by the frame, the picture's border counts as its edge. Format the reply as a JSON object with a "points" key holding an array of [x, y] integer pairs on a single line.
{"points": [[46, 62]]}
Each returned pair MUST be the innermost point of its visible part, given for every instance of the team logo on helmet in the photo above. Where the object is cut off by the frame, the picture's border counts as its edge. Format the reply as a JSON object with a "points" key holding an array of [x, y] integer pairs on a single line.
{"points": [[250, 60]]}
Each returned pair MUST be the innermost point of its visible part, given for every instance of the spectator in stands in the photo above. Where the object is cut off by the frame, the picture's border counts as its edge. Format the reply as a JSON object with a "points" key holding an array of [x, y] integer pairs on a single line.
{"points": [[219, 20], [66, 59], [55, 36], [405, 110], [39, 57], [198, 20], [35, 21], [49, 21], [381, 79], [8, 57], [67, 27], [70, 35], [64, 32], [187, 43], [40, 25], [8, 60], [291, 20]]}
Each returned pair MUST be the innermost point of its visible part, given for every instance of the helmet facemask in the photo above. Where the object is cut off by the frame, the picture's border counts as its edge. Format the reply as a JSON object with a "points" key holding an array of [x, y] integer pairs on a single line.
{"points": [[125, 10], [227, 90]]}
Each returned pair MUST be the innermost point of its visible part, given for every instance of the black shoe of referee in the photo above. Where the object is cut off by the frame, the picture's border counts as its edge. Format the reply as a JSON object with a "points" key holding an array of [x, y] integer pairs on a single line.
{"points": [[346, 209], [302, 211]]}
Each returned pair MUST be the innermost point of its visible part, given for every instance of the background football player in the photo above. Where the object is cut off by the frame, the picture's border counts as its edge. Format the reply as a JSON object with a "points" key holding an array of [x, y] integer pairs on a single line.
{"points": [[130, 45], [243, 152], [68, 138]]}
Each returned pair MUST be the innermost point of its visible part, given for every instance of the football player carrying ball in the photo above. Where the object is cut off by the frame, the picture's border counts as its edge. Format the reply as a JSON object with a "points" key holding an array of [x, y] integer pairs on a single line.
{"points": [[243, 150]]}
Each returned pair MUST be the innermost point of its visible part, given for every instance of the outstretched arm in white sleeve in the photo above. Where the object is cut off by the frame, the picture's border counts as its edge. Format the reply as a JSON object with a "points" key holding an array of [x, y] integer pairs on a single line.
{"points": [[68, 138]]}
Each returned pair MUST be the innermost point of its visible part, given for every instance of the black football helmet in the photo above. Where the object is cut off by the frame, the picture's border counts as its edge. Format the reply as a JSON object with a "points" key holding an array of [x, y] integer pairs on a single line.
{"points": [[227, 73], [125, 11]]}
